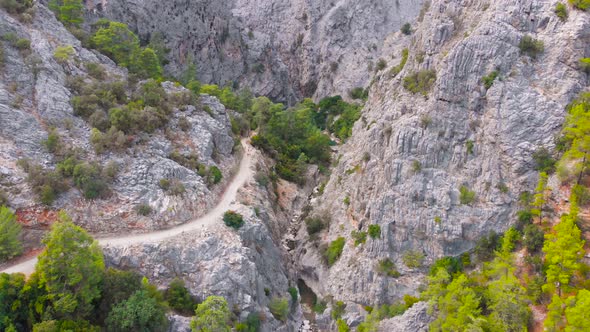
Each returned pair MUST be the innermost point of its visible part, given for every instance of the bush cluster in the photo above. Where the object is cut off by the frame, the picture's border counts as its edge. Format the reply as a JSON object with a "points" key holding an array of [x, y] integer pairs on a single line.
{"points": [[334, 250], [413, 259], [420, 82], [387, 268], [530, 46], [233, 219], [466, 196]]}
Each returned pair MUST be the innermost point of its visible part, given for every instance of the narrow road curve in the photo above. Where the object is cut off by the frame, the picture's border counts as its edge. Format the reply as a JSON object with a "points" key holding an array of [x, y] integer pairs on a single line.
{"points": [[245, 172]]}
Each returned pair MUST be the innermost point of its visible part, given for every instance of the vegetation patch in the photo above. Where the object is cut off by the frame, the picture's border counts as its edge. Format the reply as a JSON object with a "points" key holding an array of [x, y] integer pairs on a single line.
{"points": [[420, 82], [233, 219]]}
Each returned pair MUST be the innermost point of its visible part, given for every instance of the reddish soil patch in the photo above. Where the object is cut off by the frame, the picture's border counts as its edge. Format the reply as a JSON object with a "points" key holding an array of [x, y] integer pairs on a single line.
{"points": [[36, 217]]}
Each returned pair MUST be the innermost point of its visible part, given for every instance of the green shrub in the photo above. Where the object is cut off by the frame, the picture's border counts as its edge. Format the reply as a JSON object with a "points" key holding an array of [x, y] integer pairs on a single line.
{"points": [[451, 264], [334, 250], [466, 196], [580, 4], [416, 166], [165, 184], [179, 298], [88, 178], [346, 200], [387, 268], [10, 230], [502, 187], [359, 237], [294, 294], [437, 219], [413, 259], [342, 326], [117, 42], [381, 64], [397, 69], [314, 225], [406, 29], [489, 79], [95, 70], [533, 238], [374, 231], [581, 194], [469, 145], [358, 93], [69, 12], [585, 64], [530, 46], [233, 219], [420, 82], [63, 54], [279, 308], [16, 6], [338, 310], [52, 143], [184, 124], [319, 306], [544, 161], [215, 175], [486, 246], [46, 184], [144, 209], [23, 44], [561, 11]]}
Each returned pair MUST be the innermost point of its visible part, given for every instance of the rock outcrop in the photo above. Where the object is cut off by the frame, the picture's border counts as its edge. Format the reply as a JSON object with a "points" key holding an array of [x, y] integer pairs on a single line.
{"points": [[35, 99], [247, 266], [282, 49], [415, 319], [410, 154]]}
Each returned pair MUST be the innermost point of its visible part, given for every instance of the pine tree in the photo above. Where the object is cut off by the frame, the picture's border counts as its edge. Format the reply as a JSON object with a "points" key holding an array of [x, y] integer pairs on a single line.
{"points": [[70, 269], [578, 312], [577, 132], [540, 194], [10, 230], [212, 315], [563, 248]]}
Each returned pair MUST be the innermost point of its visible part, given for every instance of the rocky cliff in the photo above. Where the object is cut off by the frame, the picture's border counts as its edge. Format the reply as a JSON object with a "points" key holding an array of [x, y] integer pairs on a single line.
{"points": [[282, 49], [35, 100], [411, 153]]}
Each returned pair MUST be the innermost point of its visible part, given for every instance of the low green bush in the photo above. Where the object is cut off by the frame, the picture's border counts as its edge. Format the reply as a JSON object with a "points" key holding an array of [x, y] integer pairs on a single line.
{"points": [[279, 308], [580, 4], [387, 268], [359, 237], [179, 298], [451, 264], [233, 219], [358, 93], [406, 29], [413, 259], [144, 209], [561, 11], [530, 46], [63, 54], [420, 82], [466, 196], [214, 176], [338, 309], [334, 250], [534, 238], [397, 69], [374, 231], [294, 294], [585, 64], [314, 225], [489, 79]]}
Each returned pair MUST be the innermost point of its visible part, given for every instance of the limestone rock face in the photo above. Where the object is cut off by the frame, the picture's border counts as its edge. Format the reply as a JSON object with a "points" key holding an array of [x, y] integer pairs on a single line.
{"points": [[415, 319], [246, 266], [34, 98], [410, 154], [284, 49]]}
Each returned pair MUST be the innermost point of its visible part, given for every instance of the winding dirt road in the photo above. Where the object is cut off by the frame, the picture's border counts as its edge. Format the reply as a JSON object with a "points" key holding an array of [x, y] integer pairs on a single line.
{"points": [[245, 172]]}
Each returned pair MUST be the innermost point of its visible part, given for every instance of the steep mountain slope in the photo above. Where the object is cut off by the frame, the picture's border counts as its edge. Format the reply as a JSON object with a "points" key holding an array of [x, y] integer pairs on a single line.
{"points": [[283, 49], [409, 156], [35, 94]]}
